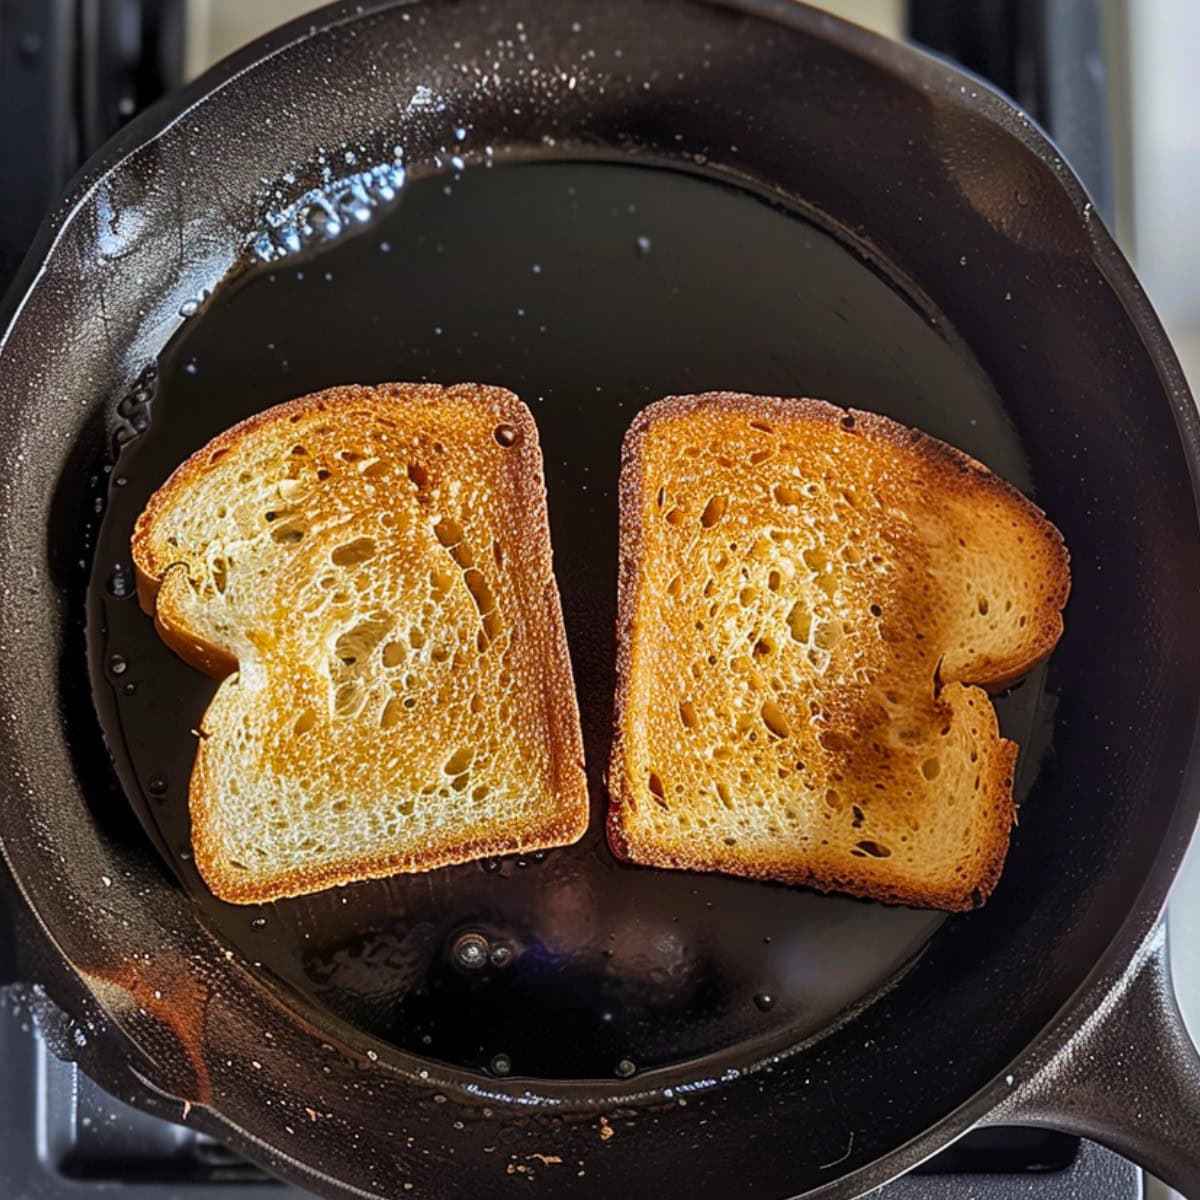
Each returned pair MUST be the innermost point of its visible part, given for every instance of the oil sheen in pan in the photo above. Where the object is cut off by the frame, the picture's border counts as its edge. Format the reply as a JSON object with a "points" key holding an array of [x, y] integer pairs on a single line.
{"points": [[590, 289]]}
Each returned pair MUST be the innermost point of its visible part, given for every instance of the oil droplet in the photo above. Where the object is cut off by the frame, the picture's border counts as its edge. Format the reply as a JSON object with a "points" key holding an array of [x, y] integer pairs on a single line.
{"points": [[120, 582], [129, 689], [156, 785], [320, 221], [501, 1064], [502, 955], [117, 665], [259, 923], [626, 1067], [644, 244], [764, 1001], [471, 951]]}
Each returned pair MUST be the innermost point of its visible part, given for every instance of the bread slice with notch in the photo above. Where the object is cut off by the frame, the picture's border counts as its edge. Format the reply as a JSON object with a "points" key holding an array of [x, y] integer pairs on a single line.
{"points": [[812, 602], [368, 572]]}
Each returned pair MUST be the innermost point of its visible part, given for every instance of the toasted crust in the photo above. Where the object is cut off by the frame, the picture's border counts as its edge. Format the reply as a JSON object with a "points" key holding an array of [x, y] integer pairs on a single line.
{"points": [[944, 470], [523, 578]]}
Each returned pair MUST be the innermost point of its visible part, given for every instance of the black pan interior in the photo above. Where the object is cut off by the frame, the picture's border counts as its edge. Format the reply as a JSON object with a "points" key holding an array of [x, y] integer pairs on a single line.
{"points": [[590, 289]]}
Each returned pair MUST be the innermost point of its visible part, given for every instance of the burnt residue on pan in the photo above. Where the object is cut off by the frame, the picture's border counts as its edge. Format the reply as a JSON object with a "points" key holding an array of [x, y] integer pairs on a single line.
{"points": [[612, 285], [166, 992]]}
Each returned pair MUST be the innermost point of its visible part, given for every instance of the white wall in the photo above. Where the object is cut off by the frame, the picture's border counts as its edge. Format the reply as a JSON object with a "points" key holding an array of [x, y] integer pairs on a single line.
{"points": [[215, 28]]}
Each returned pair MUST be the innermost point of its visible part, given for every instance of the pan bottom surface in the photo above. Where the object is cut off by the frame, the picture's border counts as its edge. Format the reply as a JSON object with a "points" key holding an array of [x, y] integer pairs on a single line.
{"points": [[590, 289]]}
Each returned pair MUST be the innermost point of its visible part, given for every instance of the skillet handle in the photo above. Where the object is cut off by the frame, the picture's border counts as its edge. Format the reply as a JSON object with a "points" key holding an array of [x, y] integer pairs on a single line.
{"points": [[1129, 1077]]}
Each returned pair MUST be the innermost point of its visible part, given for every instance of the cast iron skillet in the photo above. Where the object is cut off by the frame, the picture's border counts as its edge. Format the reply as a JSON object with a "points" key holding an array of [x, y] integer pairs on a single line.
{"points": [[1052, 1004]]}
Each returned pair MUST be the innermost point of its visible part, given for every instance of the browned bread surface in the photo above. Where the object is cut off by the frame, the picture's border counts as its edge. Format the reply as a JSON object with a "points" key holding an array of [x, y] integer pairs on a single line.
{"points": [[811, 600], [368, 571]]}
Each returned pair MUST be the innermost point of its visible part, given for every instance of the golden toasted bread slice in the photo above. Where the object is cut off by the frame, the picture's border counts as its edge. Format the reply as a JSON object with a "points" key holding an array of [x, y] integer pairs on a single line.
{"points": [[368, 571], [811, 601]]}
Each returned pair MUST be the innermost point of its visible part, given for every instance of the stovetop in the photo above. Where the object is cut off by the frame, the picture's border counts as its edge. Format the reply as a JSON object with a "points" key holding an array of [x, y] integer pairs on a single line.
{"points": [[62, 1137]]}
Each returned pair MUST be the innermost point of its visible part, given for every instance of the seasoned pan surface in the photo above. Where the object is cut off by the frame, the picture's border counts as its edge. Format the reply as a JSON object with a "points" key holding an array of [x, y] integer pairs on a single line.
{"points": [[590, 289]]}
